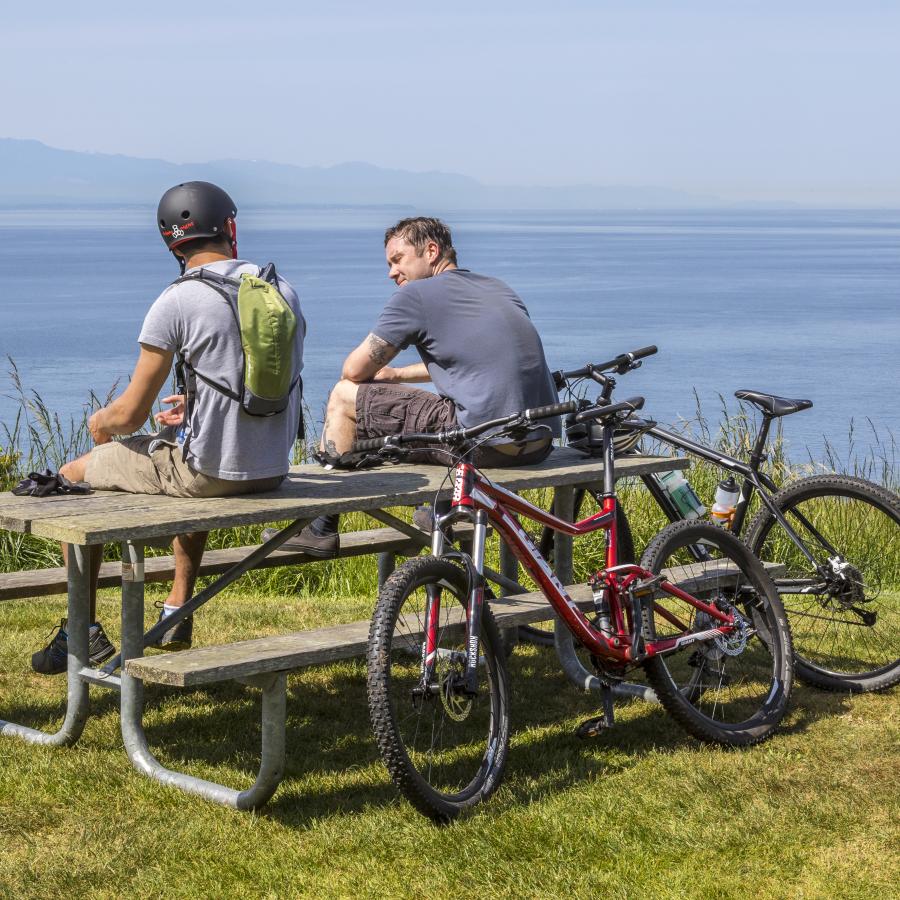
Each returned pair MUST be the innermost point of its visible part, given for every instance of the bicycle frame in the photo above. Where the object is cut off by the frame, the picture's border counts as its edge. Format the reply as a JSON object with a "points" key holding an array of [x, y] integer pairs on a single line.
{"points": [[480, 501], [753, 480]]}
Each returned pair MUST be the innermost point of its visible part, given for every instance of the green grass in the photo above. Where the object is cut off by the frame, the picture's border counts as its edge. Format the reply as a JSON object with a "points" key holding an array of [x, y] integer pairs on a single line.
{"points": [[643, 811]]}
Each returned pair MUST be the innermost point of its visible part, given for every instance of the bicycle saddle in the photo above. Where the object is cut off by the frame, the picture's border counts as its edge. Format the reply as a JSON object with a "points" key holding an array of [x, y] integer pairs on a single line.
{"points": [[772, 405]]}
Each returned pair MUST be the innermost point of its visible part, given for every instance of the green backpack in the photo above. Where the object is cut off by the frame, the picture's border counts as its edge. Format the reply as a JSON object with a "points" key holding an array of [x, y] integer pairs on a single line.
{"points": [[268, 327]]}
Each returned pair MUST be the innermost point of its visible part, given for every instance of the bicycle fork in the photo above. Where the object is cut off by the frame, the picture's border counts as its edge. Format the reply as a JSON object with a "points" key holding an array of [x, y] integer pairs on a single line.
{"points": [[468, 682]]}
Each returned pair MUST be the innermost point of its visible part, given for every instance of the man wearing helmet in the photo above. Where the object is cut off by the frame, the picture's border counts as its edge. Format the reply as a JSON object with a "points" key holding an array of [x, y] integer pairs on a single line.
{"points": [[213, 449], [477, 345]]}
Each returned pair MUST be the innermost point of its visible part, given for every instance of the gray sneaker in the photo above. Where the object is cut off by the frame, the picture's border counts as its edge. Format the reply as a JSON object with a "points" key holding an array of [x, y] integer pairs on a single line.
{"points": [[179, 636], [423, 518], [323, 546]]}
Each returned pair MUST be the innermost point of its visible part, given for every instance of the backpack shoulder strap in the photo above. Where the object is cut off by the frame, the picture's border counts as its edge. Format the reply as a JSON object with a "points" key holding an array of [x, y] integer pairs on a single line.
{"points": [[268, 273], [185, 373]]}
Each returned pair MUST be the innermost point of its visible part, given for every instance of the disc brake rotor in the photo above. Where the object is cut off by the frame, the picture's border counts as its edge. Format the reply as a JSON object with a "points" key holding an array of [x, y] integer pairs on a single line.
{"points": [[456, 704]]}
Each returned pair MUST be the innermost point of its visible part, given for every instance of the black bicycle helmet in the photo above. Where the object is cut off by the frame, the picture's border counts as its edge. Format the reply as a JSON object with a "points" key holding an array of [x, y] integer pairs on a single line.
{"points": [[195, 209], [588, 436]]}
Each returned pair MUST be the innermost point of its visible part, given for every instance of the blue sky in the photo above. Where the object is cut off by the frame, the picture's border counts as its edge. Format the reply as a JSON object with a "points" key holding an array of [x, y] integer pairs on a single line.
{"points": [[750, 100]]}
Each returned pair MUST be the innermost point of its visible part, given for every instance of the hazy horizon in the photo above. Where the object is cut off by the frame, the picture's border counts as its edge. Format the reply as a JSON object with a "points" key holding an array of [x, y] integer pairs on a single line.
{"points": [[761, 103]]}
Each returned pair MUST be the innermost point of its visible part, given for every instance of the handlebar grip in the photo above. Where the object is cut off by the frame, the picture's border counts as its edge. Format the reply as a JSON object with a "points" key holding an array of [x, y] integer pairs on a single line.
{"points": [[554, 409], [643, 352], [632, 404], [369, 444]]}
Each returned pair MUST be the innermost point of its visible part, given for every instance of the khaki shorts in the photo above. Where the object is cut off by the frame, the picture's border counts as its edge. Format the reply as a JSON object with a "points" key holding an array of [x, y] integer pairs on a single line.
{"points": [[128, 465]]}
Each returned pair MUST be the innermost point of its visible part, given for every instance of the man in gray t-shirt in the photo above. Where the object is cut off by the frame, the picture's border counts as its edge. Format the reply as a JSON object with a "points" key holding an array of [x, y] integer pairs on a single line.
{"points": [[477, 345], [218, 450]]}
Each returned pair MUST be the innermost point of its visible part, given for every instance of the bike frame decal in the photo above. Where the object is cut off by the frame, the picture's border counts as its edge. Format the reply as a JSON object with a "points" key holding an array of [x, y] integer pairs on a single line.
{"points": [[503, 506]]}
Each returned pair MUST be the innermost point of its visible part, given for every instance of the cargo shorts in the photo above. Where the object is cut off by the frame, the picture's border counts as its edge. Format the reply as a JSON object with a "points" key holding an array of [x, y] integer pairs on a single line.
{"points": [[148, 464], [384, 409]]}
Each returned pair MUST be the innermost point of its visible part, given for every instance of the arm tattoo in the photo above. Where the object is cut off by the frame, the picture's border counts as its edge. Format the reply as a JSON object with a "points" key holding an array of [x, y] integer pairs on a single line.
{"points": [[380, 351]]}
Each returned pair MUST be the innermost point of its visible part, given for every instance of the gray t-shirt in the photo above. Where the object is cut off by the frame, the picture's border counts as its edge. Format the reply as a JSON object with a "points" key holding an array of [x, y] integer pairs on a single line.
{"points": [[224, 441], [474, 335]]}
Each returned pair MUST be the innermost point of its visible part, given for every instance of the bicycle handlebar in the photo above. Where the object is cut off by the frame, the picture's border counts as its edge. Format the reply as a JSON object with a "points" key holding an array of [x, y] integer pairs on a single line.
{"points": [[621, 364], [632, 404], [458, 435]]}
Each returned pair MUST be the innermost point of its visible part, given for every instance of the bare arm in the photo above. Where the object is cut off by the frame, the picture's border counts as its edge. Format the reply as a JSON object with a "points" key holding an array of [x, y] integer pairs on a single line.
{"points": [[416, 373], [367, 359], [131, 408]]}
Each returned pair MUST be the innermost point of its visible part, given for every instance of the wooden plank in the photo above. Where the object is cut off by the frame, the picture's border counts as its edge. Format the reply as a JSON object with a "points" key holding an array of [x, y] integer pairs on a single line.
{"points": [[307, 648], [18, 516], [308, 491], [44, 582], [323, 645]]}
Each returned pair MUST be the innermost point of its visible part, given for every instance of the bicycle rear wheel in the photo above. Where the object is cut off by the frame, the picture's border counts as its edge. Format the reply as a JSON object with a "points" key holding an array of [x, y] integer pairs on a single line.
{"points": [[732, 689], [445, 750], [845, 612]]}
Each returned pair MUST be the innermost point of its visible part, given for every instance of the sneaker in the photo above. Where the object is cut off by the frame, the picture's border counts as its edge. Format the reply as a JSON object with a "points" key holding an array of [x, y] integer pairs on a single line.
{"points": [[323, 546], [179, 636], [423, 518], [52, 660]]}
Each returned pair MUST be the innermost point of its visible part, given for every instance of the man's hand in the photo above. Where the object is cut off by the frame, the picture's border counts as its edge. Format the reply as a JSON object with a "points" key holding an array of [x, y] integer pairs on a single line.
{"points": [[95, 426], [387, 373], [173, 416], [416, 373]]}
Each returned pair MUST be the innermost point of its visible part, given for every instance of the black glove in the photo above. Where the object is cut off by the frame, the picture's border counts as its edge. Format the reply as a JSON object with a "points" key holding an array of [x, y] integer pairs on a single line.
{"points": [[44, 484]]}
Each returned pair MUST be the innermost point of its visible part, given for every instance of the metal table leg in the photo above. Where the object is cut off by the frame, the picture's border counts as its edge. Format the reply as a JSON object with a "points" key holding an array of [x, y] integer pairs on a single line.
{"points": [[273, 708], [77, 630], [387, 562], [581, 677]]}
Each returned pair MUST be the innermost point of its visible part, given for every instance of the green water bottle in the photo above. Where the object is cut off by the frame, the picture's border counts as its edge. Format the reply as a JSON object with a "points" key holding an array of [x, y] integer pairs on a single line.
{"points": [[681, 494]]}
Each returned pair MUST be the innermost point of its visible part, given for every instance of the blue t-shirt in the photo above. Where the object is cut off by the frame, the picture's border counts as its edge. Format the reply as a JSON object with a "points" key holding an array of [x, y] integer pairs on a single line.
{"points": [[474, 335]]}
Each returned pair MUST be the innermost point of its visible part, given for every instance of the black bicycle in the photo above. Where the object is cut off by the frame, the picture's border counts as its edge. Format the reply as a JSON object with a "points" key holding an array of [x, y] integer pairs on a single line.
{"points": [[833, 542]]}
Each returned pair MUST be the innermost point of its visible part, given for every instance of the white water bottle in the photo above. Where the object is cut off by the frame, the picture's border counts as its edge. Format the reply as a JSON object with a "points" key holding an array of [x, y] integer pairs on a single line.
{"points": [[682, 494], [726, 499]]}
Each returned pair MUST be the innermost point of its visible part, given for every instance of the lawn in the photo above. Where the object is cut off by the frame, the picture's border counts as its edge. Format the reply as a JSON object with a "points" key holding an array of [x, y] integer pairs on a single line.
{"points": [[643, 811]]}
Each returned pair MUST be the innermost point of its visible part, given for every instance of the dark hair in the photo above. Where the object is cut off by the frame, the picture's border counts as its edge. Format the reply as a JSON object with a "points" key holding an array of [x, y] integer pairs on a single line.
{"points": [[420, 231]]}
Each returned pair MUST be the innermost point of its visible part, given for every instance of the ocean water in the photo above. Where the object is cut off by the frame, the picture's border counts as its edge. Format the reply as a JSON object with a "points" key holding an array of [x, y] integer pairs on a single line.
{"points": [[799, 303]]}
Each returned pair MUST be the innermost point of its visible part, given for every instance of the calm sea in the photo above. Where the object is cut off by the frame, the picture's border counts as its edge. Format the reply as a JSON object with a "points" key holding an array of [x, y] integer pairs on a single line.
{"points": [[802, 304]]}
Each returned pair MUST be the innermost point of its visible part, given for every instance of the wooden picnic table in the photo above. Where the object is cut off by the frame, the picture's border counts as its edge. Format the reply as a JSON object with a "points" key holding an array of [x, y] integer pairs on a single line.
{"points": [[308, 491]]}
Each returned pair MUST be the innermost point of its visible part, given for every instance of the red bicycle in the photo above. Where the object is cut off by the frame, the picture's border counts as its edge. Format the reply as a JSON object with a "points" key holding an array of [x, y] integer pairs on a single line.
{"points": [[711, 635]]}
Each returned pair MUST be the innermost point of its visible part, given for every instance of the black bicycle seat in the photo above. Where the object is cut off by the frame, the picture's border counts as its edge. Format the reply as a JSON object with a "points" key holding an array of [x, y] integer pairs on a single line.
{"points": [[772, 405]]}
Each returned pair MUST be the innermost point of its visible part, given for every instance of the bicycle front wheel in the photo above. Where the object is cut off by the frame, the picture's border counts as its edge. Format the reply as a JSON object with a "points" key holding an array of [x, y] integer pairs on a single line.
{"points": [[732, 689], [844, 611], [444, 749]]}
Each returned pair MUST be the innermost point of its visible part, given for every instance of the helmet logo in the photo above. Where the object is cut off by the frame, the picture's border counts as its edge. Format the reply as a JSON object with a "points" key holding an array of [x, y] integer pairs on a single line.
{"points": [[177, 232]]}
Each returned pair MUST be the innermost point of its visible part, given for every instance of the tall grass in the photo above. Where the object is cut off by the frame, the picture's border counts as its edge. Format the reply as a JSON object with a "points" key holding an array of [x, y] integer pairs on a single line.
{"points": [[39, 438]]}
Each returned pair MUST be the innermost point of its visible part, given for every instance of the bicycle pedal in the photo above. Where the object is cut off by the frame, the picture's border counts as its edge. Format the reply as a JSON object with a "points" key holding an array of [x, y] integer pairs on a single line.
{"points": [[648, 586], [593, 727]]}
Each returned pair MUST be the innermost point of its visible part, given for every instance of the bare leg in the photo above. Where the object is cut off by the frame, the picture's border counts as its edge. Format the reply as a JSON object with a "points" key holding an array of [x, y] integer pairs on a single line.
{"points": [[75, 470], [96, 559], [188, 549], [339, 431]]}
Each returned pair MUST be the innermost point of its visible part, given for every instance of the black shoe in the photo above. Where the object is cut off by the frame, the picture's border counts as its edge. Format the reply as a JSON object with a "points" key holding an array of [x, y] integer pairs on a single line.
{"points": [[323, 546], [52, 660], [179, 636]]}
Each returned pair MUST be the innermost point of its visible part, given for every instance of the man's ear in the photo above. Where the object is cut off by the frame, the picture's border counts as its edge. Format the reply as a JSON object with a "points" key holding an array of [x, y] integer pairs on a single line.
{"points": [[432, 251]]}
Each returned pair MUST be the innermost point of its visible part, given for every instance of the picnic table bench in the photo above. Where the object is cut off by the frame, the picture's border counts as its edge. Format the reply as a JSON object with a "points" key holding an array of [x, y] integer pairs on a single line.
{"points": [[132, 520]]}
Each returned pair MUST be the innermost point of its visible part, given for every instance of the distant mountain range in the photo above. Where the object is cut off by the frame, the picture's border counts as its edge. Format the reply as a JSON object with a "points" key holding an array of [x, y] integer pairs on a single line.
{"points": [[33, 173]]}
